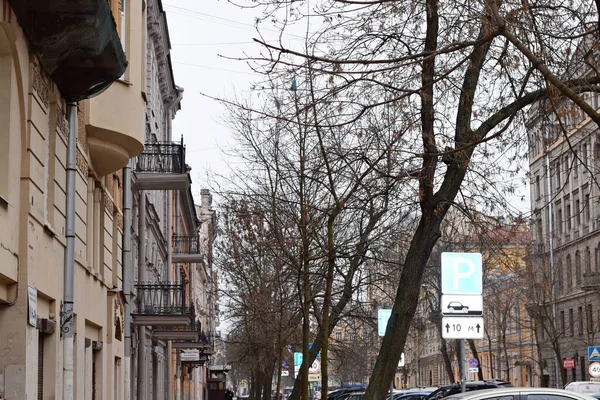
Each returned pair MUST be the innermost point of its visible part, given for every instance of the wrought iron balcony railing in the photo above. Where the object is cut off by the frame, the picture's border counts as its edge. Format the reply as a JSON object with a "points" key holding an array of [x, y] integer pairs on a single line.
{"points": [[158, 299], [186, 244], [162, 157]]}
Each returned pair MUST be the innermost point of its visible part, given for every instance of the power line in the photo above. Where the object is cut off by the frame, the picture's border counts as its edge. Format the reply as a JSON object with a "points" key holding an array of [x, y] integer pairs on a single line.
{"points": [[213, 68], [197, 14]]}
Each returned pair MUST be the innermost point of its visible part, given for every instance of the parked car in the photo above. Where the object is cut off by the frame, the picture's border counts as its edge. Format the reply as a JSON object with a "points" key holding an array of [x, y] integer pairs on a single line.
{"points": [[454, 388], [587, 387], [353, 396], [520, 393], [412, 396], [337, 394]]}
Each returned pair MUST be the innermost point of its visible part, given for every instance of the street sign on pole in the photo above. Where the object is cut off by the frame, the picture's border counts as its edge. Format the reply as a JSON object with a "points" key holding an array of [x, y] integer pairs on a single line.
{"points": [[594, 369], [473, 363], [462, 288], [454, 304], [594, 353], [383, 317], [462, 328], [462, 273]]}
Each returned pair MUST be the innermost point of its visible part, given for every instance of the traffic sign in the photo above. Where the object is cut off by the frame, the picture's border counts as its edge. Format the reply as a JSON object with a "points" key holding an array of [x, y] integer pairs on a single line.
{"points": [[453, 304], [594, 369], [569, 363], [298, 357], [315, 368], [473, 363], [474, 370], [594, 353], [462, 273], [462, 327], [383, 317]]}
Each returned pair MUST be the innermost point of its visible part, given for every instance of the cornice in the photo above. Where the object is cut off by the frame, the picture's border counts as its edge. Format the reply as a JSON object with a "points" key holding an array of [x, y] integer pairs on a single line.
{"points": [[158, 33]]}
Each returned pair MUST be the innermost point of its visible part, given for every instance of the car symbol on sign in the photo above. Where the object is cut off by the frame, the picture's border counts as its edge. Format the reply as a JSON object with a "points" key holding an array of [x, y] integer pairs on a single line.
{"points": [[456, 306]]}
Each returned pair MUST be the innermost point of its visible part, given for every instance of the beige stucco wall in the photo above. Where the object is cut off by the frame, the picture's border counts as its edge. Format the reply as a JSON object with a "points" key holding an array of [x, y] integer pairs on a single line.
{"points": [[32, 209]]}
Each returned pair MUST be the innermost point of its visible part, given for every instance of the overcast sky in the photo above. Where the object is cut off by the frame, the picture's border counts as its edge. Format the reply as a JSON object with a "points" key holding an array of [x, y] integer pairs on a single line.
{"points": [[203, 34]]}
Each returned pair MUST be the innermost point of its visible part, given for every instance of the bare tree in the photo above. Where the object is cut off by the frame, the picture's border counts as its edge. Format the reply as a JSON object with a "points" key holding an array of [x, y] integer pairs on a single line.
{"points": [[463, 73]]}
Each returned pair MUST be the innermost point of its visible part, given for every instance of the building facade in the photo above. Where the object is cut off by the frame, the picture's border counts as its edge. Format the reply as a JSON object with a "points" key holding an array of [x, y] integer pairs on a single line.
{"points": [[564, 160], [101, 238], [71, 119]]}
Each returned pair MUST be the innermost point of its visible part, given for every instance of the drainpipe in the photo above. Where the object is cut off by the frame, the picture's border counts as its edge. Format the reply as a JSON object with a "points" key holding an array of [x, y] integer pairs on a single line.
{"points": [[69, 266], [141, 348], [178, 280], [127, 275]]}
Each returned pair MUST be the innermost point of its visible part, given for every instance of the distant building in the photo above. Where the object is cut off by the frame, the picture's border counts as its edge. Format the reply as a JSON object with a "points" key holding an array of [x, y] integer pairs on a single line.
{"points": [[564, 161]]}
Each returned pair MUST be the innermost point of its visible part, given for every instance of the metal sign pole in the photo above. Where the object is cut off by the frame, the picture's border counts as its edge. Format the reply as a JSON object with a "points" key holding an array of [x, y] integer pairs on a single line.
{"points": [[463, 369]]}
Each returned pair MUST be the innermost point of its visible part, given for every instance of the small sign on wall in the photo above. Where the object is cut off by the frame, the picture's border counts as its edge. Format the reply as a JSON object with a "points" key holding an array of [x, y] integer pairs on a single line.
{"points": [[32, 306]]}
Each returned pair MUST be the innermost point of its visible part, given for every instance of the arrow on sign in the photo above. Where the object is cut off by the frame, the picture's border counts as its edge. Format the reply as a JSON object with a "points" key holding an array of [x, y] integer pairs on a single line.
{"points": [[478, 327], [447, 328]]}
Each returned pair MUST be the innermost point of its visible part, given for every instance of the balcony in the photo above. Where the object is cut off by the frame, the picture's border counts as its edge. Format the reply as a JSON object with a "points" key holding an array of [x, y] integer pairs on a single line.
{"points": [[186, 249], [80, 49], [203, 343], [591, 281], [184, 333], [162, 304], [161, 166]]}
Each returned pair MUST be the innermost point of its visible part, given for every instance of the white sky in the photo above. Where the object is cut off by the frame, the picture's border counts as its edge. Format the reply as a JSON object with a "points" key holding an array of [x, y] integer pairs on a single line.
{"points": [[203, 33]]}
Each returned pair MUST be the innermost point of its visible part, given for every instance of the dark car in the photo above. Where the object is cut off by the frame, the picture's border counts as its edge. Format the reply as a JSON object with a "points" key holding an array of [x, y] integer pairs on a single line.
{"points": [[412, 396], [338, 394], [454, 388]]}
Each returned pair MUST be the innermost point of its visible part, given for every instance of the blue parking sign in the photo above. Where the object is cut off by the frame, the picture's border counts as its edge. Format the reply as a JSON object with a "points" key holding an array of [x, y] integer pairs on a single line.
{"points": [[462, 273]]}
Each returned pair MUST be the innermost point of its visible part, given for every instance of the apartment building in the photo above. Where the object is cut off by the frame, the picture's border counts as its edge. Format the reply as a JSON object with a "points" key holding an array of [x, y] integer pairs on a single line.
{"points": [[101, 241], [564, 160], [71, 117]]}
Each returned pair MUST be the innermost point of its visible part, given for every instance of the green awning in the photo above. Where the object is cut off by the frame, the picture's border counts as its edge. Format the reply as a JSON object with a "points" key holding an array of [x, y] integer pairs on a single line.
{"points": [[76, 41]]}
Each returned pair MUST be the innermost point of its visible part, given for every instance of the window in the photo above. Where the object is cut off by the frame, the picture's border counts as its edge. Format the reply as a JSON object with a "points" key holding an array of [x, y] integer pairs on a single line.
{"points": [[587, 260], [575, 163], [559, 221], [578, 267], [580, 321], [95, 227], [559, 278], [571, 323], [584, 155], [586, 208], [562, 322], [557, 169], [568, 217], [569, 280], [538, 192], [577, 213], [338, 336], [589, 318]]}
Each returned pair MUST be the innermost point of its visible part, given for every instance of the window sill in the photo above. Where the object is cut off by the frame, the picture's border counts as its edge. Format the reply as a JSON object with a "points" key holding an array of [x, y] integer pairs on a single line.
{"points": [[48, 229], [3, 202]]}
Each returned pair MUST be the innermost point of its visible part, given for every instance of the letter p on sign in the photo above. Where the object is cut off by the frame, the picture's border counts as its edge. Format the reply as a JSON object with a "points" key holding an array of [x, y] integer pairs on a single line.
{"points": [[461, 273]]}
